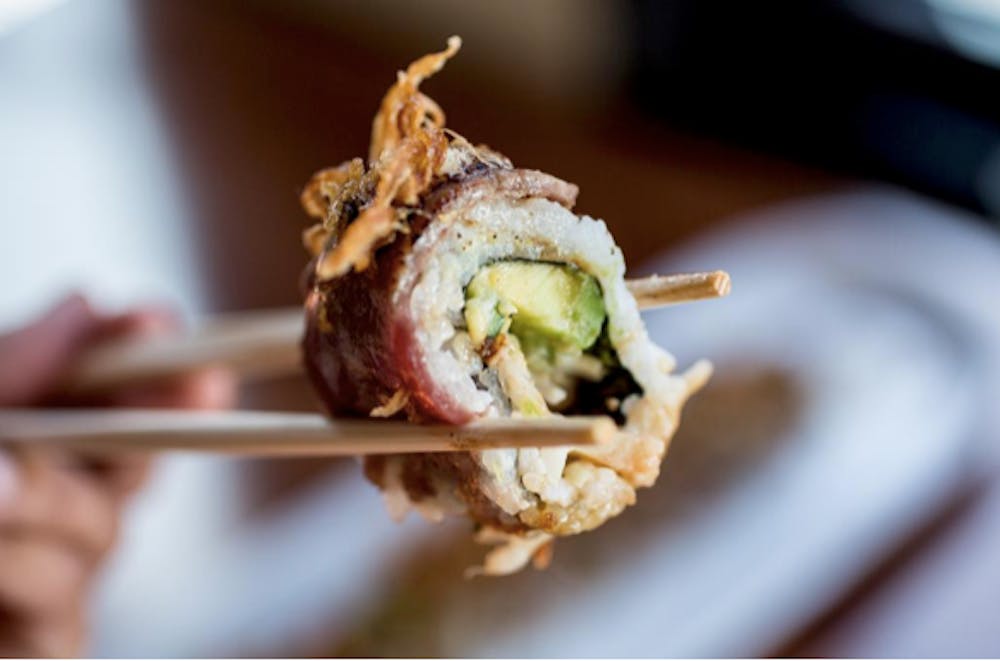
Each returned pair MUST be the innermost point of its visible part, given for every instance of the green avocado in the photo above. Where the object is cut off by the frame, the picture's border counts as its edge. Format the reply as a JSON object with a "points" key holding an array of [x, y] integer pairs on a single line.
{"points": [[554, 304]]}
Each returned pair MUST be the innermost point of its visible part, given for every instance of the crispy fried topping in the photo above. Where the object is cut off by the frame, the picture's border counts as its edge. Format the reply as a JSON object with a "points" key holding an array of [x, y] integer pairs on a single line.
{"points": [[314, 239], [392, 406], [326, 186], [407, 150]]}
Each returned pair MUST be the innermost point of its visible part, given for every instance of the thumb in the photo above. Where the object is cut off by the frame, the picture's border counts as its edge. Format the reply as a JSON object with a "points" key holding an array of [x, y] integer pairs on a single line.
{"points": [[33, 358]]}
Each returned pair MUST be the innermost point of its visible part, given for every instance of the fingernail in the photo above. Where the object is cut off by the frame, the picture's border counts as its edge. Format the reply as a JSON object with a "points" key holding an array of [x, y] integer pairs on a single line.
{"points": [[218, 389], [8, 482]]}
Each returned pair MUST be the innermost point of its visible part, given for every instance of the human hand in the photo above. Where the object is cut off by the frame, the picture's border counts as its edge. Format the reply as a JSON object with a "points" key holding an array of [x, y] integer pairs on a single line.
{"points": [[60, 511]]}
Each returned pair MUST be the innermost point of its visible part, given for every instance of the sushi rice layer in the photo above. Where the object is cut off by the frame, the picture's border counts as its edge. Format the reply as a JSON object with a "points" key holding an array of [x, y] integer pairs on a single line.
{"points": [[552, 491]]}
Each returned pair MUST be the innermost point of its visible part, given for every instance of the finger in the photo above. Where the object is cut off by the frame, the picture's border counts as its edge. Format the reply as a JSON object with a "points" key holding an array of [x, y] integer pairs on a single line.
{"points": [[145, 321], [35, 358], [202, 389], [57, 636], [64, 503], [206, 389], [210, 389], [120, 475], [39, 577]]}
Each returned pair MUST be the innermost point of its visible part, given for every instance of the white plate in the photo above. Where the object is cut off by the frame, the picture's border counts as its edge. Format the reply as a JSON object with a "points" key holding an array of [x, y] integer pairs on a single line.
{"points": [[880, 369]]}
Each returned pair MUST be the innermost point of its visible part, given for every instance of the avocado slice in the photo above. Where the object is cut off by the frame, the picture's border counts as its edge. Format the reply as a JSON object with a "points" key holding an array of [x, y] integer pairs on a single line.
{"points": [[539, 302]]}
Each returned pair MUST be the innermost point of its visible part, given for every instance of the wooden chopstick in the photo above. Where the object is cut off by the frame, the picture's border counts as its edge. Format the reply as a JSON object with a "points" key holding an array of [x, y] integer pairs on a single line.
{"points": [[266, 434], [265, 344], [659, 290], [254, 345]]}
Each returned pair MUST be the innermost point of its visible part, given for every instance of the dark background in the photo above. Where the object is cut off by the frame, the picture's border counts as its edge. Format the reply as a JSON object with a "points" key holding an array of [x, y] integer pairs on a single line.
{"points": [[699, 109], [866, 89]]}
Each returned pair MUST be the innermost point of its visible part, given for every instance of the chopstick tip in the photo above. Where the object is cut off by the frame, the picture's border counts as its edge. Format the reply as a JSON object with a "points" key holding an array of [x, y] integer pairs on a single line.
{"points": [[603, 431], [721, 283]]}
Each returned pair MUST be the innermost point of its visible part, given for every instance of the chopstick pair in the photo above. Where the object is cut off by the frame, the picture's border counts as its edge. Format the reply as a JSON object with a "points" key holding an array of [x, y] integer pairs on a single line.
{"points": [[264, 345]]}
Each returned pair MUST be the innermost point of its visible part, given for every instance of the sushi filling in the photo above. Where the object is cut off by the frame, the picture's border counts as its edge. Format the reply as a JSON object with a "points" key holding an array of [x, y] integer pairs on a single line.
{"points": [[542, 327]]}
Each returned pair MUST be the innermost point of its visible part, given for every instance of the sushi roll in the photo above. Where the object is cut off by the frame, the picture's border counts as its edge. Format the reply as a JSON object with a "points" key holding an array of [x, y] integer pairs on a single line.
{"points": [[446, 285]]}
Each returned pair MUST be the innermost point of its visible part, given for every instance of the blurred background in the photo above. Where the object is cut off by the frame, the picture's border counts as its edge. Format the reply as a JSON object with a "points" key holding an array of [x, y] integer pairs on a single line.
{"points": [[833, 492]]}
